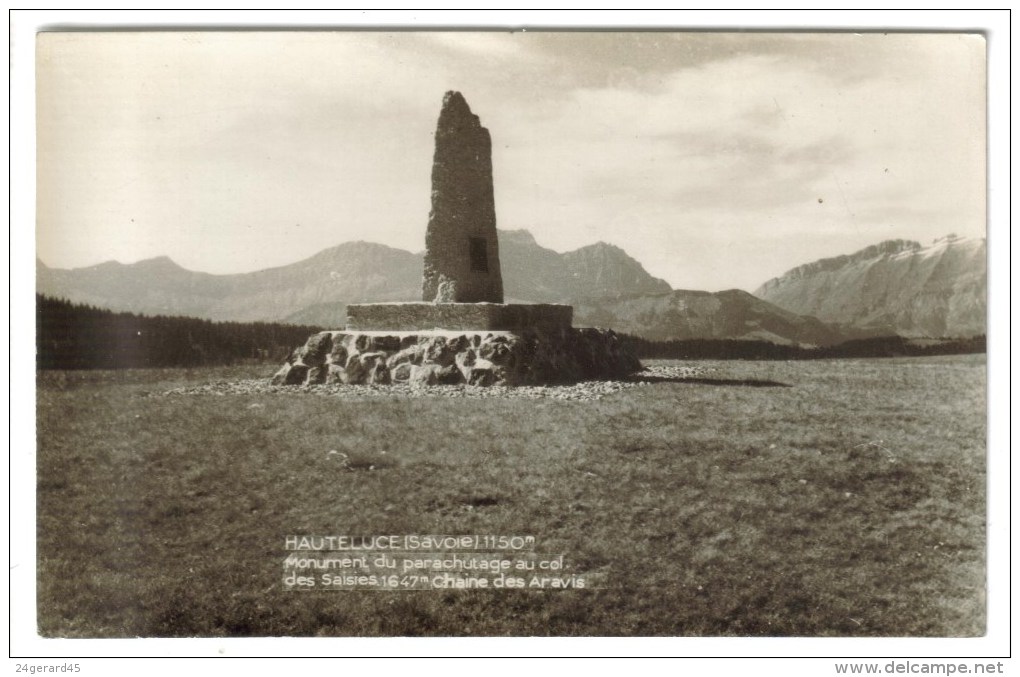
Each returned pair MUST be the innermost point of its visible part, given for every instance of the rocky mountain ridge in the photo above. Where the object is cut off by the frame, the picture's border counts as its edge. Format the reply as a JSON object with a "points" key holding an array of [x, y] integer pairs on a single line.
{"points": [[935, 290]]}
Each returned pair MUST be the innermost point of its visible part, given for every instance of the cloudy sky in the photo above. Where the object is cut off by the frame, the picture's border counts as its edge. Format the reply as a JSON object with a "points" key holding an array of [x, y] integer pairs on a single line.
{"points": [[718, 160]]}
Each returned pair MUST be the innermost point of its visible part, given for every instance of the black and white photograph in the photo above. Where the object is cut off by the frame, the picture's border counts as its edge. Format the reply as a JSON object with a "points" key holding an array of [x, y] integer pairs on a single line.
{"points": [[476, 333]]}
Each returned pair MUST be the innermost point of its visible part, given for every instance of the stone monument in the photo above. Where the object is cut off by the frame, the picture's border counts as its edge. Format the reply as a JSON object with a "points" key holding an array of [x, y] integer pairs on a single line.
{"points": [[461, 249], [461, 332]]}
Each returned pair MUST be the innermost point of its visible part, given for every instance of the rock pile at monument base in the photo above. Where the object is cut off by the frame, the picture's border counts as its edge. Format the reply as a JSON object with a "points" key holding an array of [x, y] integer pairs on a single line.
{"points": [[483, 358]]}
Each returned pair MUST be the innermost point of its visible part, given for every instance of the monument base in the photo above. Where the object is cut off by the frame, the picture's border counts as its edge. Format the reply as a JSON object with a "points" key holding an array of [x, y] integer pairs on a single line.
{"points": [[451, 357], [459, 316]]}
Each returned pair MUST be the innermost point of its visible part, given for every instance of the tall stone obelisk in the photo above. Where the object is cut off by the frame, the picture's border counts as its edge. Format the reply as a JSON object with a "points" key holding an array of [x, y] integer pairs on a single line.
{"points": [[462, 333], [461, 247]]}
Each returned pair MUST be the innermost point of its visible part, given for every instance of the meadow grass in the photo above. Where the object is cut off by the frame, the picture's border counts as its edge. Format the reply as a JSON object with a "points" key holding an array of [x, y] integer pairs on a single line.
{"points": [[838, 498]]}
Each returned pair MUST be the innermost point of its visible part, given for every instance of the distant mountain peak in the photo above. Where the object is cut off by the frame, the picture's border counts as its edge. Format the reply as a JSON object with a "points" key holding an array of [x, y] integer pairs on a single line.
{"points": [[953, 238], [158, 262], [885, 248], [519, 236], [355, 246], [602, 245], [937, 290], [603, 269]]}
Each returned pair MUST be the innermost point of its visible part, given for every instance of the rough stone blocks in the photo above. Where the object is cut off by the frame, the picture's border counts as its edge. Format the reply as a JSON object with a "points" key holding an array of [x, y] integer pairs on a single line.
{"points": [[483, 358]]}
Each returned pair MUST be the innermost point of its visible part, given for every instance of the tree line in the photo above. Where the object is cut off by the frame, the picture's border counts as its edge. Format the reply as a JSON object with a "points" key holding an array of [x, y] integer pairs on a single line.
{"points": [[78, 336], [733, 349]]}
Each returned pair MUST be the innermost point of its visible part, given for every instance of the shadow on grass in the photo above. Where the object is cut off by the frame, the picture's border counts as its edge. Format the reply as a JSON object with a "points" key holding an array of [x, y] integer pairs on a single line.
{"points": [[751, 382]]}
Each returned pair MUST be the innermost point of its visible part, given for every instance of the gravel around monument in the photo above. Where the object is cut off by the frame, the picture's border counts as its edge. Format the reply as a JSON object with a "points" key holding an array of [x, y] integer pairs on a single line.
{"points": [[586, 390]]}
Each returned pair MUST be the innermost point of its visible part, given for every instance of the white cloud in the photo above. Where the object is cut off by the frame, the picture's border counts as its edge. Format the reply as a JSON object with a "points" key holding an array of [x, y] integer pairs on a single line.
{"points": [[189, 144], [757, 144]]}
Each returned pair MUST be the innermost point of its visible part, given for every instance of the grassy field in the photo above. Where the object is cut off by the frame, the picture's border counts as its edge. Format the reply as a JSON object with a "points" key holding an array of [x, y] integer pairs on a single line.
{"points": [[829, 498]]}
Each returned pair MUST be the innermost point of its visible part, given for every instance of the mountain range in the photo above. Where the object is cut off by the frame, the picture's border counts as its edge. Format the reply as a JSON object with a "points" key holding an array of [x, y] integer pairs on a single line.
{"points": [[935, 290], [897, 286]]}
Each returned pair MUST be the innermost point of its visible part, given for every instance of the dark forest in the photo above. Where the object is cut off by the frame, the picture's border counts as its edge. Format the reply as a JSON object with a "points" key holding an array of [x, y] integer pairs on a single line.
{"points": [[76, 336]]}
